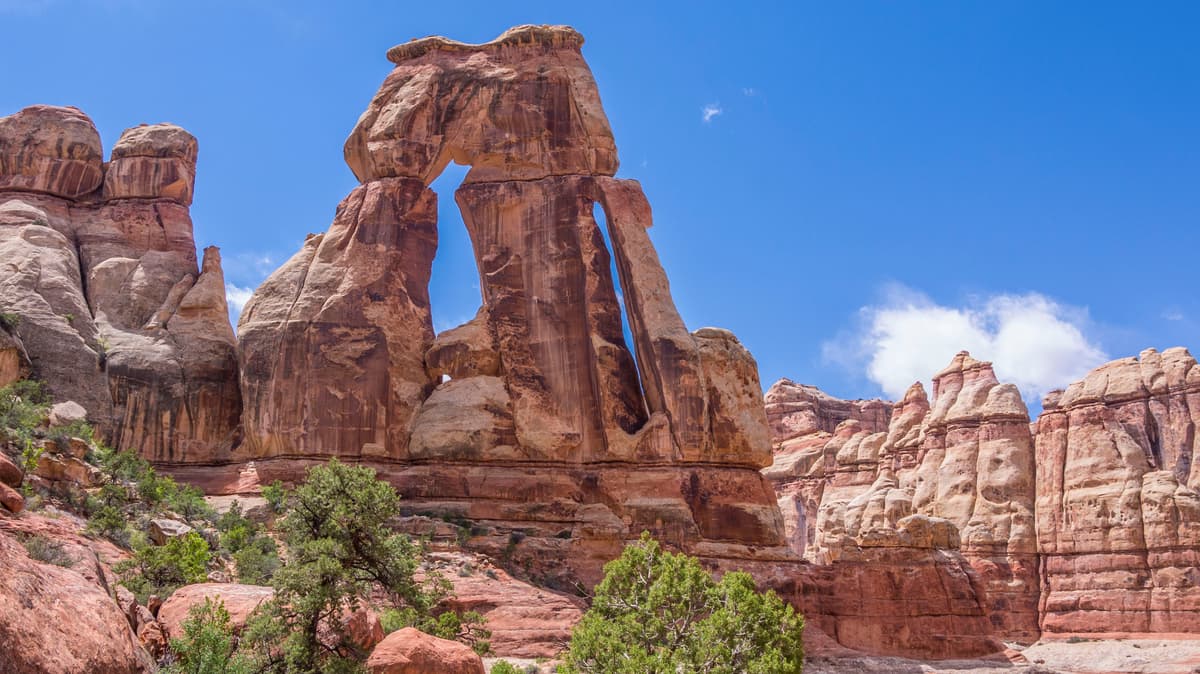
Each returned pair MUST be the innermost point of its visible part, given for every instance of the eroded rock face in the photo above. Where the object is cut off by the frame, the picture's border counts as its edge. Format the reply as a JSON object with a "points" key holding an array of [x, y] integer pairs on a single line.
{"points": [[101, 268], [536, 415], [57, 621], [918, 602], [52, 150], [798, 410], [1119, 514], [521, 107], [333, 343], [964, 462], [1088, 522]]}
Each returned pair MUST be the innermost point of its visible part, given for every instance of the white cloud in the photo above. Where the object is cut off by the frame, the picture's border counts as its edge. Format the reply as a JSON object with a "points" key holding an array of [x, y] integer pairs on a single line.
{"points": [[1172, 314], [709, 111], [236, 297], [1033, 341], [749, 91]]}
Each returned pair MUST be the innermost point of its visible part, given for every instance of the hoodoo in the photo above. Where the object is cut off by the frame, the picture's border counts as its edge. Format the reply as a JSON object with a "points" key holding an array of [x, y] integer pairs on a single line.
{"points": [[115, 314]]}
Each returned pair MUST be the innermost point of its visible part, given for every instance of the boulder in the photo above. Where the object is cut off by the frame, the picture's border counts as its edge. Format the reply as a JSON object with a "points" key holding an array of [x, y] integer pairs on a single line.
{"points": [[67, 413], [410, 651], [56, 621], [10, 474], [151, 162], [239, 600], [163, 530], [11, 499]]}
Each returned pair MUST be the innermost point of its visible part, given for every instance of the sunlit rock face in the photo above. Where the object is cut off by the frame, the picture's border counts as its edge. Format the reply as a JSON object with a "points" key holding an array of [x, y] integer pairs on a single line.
{"points": [[537, 414], [1086, 522], [965, 459], [1118, 513], [101, 267]]}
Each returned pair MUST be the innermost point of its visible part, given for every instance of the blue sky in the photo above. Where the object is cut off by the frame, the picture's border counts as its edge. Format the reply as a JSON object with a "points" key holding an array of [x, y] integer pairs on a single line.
{"points": [[856, 189]]}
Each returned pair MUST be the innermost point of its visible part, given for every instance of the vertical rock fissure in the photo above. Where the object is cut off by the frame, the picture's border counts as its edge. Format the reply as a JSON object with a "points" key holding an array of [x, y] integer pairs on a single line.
{"points": [[601, 219]]}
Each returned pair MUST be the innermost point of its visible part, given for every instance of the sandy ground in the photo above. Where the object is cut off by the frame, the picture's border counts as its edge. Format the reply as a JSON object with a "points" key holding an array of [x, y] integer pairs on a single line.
{"points": [[1085, 656]]}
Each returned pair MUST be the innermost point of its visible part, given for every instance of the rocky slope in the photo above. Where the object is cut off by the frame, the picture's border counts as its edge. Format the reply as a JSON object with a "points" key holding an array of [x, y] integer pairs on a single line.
{"points": [[114, 312]]}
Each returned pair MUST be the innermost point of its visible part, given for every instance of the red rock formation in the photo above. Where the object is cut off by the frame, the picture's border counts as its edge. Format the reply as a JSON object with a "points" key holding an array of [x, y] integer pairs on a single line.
{"points": [[911, 600], [526, 621], [1118, 511], [44, 604], [410, 651], [549, 424], [115, 313], [967, 460], [976, 469], [239, 600], [798, 410], [333, 343]]}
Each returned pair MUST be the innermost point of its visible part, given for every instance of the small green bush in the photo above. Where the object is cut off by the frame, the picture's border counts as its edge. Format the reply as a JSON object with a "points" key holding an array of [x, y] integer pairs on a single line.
{"points": [[188, 501], [47, 550], [163, 569], [466, 626], [504, 667], [9, 321], [207, 645], [236, 530], [276, 496], [75, 429], [109, 521], [23, 407], [258, 561]]}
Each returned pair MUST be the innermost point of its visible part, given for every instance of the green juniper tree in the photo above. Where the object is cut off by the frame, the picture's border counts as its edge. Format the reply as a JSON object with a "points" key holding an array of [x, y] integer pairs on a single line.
{"points": [[339, 548], [658, 612]]}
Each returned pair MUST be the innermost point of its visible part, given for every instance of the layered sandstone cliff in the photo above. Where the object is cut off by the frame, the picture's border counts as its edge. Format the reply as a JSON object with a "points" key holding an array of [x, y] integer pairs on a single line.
{"points": [[1118, 508], [966, 460], [1086, 522], [535, 416], [101, 268]]}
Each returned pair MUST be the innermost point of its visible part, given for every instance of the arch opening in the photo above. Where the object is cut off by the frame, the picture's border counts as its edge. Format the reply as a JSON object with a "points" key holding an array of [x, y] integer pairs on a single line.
{"points": [[455, 294]]}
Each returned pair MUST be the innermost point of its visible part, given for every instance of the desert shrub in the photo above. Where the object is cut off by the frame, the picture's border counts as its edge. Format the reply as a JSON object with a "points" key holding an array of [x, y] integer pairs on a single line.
{"points": [[9, 320], [109, 521], [276, 496], [464, 626], [48, 551], [236, 530], [75, 429], [504, 667], [23, 406], [188, 501], [207, 645], [258, 561], [163, 569], [660, 612]]}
